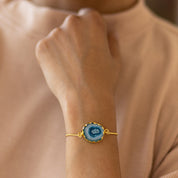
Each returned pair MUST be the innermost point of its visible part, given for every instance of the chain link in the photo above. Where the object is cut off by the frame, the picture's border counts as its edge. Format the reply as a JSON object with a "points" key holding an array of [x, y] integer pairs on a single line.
{"points": [[107, 132]]}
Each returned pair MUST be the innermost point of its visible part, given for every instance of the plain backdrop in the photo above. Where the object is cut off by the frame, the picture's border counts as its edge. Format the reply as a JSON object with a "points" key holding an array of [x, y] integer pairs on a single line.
{"points": [[165, 8]]}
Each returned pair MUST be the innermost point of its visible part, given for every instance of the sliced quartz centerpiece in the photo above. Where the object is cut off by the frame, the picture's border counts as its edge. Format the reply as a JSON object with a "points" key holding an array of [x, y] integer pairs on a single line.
{"points": [[93, 132]]}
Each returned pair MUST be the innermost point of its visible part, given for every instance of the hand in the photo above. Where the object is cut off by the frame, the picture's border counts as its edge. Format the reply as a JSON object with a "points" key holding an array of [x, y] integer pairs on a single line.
{"points": [[79, 58]]}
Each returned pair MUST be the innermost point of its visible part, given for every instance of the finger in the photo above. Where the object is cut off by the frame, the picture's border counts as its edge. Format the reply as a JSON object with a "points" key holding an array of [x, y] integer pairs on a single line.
{"points": [[93, 17], [94, 24]]}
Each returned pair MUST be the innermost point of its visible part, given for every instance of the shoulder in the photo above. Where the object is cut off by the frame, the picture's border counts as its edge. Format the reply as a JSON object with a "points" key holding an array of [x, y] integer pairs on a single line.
{"points": [[166, 26], [164, 29]]}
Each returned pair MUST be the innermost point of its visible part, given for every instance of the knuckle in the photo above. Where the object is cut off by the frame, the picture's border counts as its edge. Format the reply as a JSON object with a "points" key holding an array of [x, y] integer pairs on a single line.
{"points": [[41, 44], [55, 31], [72, 19], [41, 47]]}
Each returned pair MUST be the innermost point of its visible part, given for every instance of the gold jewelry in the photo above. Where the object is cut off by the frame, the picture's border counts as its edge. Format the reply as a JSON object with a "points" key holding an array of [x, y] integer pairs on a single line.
{"points": [[93, 132]]}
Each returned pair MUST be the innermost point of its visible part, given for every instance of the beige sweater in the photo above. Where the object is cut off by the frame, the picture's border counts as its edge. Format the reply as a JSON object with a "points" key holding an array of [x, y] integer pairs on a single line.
{"points": [[32, 133]]}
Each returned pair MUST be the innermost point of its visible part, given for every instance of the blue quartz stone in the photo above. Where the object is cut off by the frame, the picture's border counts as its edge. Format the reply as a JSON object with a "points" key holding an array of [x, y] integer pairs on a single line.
{"points": [[93, 132]]}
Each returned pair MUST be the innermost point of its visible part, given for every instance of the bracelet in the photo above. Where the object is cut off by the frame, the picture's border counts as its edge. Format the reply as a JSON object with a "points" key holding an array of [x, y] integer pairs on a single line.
{"points": [[93, 132]]}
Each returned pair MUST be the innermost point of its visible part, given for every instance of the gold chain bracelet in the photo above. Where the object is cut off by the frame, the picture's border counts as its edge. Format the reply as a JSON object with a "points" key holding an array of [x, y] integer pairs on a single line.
{"points": [[93, 132]]}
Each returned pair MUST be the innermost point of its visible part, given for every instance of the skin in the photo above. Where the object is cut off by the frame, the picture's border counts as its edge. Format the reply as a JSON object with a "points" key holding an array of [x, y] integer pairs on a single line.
{"points": [[103, 6], [80, 63]]}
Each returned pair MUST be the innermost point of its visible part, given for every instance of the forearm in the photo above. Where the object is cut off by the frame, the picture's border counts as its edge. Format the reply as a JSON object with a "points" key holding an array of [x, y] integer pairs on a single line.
{"points": [[76, 57], [86, 160]]}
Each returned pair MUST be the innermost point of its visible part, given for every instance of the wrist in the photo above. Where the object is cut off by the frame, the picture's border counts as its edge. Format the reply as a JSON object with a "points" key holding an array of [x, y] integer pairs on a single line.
{"points": [[79, 110]]}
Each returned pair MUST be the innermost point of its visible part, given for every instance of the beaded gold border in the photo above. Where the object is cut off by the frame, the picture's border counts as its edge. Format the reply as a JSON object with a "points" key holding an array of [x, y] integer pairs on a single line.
{"points": [[96, 124]]}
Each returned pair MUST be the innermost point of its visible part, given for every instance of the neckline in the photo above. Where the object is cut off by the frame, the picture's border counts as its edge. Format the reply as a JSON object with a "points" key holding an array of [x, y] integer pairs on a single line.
{"points": [[126, 23]]}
